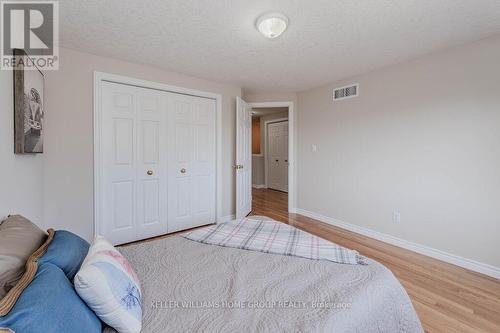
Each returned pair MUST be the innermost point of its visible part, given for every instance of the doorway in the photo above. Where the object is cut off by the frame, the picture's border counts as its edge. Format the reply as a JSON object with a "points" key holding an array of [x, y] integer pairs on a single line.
{"points": [[252, 161], [270, 160]]}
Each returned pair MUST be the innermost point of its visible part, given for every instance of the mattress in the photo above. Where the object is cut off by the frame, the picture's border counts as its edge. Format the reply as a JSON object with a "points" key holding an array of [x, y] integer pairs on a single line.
{"points": [[195, 287]]}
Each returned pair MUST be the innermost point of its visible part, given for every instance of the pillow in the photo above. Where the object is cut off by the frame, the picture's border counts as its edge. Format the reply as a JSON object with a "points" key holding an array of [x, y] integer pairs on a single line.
{"points": [[31, 268], [50, 304], [19, 238], [67, 251], [110, 287]]}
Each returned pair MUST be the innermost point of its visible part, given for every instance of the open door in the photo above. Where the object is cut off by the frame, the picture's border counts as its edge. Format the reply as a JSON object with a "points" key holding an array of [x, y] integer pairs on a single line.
{"points": [[243, 158]]}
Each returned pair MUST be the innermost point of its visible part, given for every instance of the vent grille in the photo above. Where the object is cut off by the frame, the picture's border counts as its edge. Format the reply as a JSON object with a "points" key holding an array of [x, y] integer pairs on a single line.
{"points": [[346, 92]]}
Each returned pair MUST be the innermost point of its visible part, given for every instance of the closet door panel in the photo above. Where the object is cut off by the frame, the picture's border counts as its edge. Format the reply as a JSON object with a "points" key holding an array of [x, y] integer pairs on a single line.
{"points": [[192, 162], [133, 163], [179, 162], [119, 186], [151, 219], [203, 183], [204, 161], [150, 141], [202, 202], [182, 208], [122, 207]]}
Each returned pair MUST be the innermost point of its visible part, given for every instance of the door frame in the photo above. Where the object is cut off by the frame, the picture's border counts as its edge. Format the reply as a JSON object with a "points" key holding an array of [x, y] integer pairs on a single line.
{"points": [[291, 148], [100, 77], [266, 149]]}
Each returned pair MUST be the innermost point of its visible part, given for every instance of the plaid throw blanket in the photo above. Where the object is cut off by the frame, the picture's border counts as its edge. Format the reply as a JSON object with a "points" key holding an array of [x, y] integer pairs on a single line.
{"points": [[265, 235]]}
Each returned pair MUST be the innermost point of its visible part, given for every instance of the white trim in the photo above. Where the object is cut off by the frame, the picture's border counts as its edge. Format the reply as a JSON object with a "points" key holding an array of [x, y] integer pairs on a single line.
{"points": [[98, 78], [271, 104], [226, 218], [291, 147], [415, 247], [259, 186], [266, 139]]}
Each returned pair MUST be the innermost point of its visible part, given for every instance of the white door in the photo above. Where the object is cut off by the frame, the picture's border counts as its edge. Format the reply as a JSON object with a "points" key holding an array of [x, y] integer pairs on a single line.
{"points": [[133, 188], [243, 158], [191, 161], [277, 155], [158, 162], [151, 163]]}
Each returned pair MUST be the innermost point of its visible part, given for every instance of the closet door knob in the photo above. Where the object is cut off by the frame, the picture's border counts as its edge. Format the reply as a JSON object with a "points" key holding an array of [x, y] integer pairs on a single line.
{"points": [[150, 172], [183, 170]]}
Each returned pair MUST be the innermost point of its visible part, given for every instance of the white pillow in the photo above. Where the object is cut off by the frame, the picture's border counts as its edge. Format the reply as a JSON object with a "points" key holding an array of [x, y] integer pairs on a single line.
{"points": [[110, 287]]}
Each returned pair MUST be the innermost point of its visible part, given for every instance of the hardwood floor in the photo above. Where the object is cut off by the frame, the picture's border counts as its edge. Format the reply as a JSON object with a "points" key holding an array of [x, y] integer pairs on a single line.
{"points": [[447, 298]]}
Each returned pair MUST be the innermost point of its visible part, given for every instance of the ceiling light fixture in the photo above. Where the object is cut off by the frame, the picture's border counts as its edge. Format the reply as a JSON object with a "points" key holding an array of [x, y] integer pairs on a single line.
{"points": [[272, 25]]}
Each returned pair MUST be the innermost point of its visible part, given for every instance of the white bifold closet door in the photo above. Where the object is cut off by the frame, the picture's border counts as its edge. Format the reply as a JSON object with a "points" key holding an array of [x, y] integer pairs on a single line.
{"points": [[157, 162], [191, 164]]}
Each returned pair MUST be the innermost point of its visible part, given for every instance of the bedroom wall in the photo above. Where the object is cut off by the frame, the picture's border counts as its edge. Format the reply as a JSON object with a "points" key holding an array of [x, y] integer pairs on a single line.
{"points": [[258, 178], [68, 196], [256, 135], [423, 138], [257, 153], [21, 176], [269, 97]]}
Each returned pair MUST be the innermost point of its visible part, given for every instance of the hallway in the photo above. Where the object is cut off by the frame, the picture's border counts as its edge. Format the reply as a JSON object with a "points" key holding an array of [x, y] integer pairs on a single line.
{"points": [[270, 203]]}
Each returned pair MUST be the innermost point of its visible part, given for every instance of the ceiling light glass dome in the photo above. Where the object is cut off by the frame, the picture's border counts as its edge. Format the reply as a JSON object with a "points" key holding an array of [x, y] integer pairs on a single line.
{"points": [[272, 25]]}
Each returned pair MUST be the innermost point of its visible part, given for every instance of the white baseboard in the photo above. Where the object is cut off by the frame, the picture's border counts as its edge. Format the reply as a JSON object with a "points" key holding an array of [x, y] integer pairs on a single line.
{"points": [[259, 186], [226, 218], [470, 264]]}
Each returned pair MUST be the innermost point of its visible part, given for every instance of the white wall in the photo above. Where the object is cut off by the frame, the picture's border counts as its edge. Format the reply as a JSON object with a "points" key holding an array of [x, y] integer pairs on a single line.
{"points": [[270, 97], [68, 168], [21, 176], [258, 177], [423, 138]]}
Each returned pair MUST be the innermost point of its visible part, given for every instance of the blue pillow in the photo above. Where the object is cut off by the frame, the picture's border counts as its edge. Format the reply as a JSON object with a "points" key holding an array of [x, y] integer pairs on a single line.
{"points": [[50, 304], [67, 252]]}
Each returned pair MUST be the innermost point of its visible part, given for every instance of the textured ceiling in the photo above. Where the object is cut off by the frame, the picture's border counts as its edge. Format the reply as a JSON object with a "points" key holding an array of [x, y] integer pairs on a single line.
{"points": [[327, 40]]}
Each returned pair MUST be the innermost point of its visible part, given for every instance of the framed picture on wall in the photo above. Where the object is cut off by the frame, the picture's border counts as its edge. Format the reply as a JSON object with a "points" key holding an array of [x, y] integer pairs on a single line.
{"points": [[28, 105]]}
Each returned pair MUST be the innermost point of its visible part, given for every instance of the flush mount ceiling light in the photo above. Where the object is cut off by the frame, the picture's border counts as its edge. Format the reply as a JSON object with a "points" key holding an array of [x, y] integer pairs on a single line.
{"points": [[272, 25]]}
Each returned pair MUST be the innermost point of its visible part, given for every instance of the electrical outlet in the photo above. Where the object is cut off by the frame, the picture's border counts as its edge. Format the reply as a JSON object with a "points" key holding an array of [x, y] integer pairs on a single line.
{"points": [[314, 148], [396, 216]]}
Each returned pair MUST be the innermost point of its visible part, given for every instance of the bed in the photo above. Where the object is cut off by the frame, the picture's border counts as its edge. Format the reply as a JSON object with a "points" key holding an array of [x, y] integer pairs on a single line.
{"points": [[190, 286]]}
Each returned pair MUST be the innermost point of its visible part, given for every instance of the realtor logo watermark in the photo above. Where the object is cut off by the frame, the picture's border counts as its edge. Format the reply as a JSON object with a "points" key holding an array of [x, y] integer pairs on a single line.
{"points": [[32, 26]]}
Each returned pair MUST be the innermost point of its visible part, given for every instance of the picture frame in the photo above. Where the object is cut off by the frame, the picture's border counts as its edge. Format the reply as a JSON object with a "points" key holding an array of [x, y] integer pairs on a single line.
{"points": [[29, 105]]}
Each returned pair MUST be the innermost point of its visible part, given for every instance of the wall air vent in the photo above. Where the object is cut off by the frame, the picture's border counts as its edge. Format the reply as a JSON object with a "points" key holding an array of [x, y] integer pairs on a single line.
{"points": [[346, 92]]}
